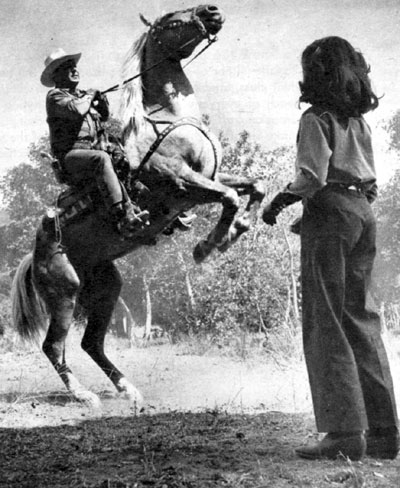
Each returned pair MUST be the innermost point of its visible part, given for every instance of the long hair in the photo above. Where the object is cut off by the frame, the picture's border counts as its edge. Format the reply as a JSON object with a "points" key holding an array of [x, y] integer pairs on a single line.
{"points": [[131, 106], [335, 77]]}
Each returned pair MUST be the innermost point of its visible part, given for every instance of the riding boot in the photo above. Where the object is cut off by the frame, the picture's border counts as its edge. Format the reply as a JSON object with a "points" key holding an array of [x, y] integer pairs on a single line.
{"points": [[127, 218]]}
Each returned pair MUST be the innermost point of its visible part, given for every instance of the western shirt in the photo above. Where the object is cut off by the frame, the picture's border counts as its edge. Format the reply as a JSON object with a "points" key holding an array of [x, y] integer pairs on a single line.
{"points": [[71, 118], [332, 151]]}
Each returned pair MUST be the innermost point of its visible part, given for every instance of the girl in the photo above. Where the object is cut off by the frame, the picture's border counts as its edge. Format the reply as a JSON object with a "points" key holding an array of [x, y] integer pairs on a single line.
{"points": [[349, 374]]}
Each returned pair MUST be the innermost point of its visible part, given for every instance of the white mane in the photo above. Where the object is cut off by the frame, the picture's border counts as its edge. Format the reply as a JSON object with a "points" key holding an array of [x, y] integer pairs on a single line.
{"points": [[131, 105]]}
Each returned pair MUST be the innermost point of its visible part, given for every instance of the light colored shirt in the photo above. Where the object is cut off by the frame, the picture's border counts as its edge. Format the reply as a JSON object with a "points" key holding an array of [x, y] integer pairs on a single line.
{"points": [[332, 152]]}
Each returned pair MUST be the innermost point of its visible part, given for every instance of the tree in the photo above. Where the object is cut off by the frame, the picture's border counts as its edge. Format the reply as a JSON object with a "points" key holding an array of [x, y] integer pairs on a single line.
{"points": [[28, 189], [387, 208], [247, 288]]}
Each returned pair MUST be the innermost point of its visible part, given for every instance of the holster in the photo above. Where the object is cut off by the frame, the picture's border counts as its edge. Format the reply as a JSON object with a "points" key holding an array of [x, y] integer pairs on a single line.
{"points": [[58, 171]]}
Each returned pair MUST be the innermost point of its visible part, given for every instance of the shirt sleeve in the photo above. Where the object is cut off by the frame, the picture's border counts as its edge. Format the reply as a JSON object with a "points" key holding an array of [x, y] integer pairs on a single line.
{"points": [[313, 154], [63, 105]]}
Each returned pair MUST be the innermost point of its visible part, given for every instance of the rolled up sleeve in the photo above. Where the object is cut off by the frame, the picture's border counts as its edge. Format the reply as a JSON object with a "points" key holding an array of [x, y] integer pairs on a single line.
{"points": [[313, 155]]}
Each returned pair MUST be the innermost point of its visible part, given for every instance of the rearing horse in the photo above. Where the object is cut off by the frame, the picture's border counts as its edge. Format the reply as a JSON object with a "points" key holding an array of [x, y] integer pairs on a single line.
{"points": [[175, 157]]}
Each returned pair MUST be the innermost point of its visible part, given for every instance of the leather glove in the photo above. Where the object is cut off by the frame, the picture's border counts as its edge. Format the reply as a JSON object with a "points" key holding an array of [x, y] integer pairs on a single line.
{"points": [[269, 214], [277, 204]]}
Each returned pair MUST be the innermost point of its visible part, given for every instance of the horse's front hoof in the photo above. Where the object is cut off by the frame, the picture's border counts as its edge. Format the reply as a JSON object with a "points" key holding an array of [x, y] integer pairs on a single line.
{"points": [[88, 398], [201, 251], [131, 393]]}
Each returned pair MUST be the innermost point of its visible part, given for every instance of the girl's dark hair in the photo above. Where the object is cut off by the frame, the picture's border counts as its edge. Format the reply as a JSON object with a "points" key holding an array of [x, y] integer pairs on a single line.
{"points": [[335, 77]]}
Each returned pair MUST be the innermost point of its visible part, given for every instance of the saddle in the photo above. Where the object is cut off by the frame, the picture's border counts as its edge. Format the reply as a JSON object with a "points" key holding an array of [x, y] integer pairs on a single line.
{"points": [[74, 202]]}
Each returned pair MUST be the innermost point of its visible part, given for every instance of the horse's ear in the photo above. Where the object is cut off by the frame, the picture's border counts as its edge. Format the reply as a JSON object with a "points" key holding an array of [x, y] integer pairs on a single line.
{"points": [[144, 20]]}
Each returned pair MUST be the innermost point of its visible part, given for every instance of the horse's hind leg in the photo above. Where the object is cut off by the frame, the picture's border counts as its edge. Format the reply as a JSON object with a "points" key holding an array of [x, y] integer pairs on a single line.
{"points": [[58, 283], [99, 295]]}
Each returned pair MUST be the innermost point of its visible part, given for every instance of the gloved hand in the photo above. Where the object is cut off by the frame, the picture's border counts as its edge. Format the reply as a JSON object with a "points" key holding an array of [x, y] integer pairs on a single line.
{"points": [[269, 214], [99, 102], [277, 204]]}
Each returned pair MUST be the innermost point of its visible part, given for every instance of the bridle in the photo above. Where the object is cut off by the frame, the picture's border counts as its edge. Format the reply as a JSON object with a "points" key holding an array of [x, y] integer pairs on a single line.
{"points": [[156, 28]]}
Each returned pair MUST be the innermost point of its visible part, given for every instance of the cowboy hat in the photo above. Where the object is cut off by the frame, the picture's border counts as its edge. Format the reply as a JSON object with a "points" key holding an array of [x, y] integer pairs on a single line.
{"points": [[52, 62]]}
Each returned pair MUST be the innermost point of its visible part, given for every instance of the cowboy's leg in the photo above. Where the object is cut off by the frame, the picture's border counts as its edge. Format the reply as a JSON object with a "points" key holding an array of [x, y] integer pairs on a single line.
{"points": [[335, 386], [86, 164], [363, 329]]}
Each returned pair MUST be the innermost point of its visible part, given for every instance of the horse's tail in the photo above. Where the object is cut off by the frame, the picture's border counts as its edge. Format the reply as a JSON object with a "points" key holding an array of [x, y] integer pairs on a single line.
{"points": [[28, 310]]}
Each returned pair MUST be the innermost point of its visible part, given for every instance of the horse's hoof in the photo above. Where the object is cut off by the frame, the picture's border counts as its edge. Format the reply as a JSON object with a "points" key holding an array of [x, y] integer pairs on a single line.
{"points": [[131, 393], [201, 251], [88, 398]]}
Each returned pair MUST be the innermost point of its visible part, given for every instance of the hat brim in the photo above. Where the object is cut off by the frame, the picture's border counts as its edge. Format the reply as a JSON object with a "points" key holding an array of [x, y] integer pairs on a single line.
{"points": [[47, 76]]}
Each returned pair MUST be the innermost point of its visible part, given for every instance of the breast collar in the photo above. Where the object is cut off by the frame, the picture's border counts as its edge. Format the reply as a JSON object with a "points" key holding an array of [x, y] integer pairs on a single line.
{"points": [[170, 126]]}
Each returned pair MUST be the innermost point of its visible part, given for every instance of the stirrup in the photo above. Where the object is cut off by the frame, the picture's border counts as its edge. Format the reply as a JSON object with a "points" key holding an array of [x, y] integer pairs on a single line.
{"points": [[132, 221]]}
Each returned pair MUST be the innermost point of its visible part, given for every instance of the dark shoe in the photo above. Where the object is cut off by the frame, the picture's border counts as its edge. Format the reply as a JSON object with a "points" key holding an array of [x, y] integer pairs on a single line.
{"points": [[383, 443], [347, 444]]}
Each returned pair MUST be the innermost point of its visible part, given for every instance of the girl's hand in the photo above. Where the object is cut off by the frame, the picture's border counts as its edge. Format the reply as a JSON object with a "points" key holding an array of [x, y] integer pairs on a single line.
{"points": [[269, 214]]}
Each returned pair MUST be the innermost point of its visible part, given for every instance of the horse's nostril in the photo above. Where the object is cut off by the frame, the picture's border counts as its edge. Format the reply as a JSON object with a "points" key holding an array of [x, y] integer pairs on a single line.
{"points": [[212, 8]]}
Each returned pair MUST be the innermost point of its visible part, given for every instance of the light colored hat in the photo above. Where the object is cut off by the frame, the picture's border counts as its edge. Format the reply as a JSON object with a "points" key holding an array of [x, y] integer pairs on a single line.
{"points": [[52, 62]]}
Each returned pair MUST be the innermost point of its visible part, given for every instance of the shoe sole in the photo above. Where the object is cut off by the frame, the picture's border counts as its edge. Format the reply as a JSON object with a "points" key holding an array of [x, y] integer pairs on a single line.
{"points": [[382, 454], [333, 456]]}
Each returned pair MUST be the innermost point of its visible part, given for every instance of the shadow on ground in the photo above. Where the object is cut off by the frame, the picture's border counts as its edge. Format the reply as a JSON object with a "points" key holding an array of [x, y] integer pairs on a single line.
{"points": [[176, 449]]}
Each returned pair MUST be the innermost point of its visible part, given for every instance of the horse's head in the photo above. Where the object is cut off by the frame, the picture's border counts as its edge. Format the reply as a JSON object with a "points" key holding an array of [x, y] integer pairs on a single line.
{"points": [[178, 33], [154, 57]]}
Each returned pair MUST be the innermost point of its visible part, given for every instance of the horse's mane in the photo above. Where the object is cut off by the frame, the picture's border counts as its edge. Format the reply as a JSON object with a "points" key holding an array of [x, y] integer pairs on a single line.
{"points": [[131, 107]]}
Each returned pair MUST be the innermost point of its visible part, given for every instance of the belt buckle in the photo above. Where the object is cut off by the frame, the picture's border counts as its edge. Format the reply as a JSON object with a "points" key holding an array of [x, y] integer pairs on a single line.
{"points": [[353, 188]]}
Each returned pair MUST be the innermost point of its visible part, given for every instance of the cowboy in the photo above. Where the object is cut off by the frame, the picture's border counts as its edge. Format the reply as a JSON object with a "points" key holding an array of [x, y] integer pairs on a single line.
{"points": [[74, 117]]}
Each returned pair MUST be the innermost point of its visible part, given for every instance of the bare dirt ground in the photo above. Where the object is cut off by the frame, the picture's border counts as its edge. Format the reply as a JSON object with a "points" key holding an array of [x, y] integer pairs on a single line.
{"points": [[208, 421]]}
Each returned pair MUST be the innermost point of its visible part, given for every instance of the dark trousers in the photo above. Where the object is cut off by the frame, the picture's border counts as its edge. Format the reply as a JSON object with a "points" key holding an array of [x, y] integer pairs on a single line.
{"points": [[88, 164], [349, 373]]}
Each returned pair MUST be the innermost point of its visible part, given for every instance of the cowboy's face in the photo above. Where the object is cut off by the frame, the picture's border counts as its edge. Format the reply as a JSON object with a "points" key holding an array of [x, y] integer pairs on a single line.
{"points": [[67, 75]]}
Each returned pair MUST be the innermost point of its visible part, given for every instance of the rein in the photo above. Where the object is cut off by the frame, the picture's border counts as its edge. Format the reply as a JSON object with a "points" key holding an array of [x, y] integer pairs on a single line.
{"points": [[153, 32]]}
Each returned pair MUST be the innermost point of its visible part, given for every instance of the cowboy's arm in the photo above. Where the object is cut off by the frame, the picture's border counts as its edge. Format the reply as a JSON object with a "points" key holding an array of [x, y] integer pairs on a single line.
{"points": [[61, 104]]}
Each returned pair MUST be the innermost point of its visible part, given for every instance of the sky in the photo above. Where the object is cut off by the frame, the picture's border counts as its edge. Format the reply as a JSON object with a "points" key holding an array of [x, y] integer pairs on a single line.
{"points": [[248, 80]]}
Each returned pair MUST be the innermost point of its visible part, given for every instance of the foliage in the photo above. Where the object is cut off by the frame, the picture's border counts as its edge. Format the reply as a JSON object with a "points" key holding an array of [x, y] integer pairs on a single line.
{"points": [[27, 190], [247, 288], [387, 208], [388, 238], [392, 127]]}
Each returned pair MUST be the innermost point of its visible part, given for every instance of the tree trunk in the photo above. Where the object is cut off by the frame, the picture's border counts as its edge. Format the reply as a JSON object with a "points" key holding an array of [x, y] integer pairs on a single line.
{"points": [[293, 280], [147, 328], [189, 289], [128, 322]]}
